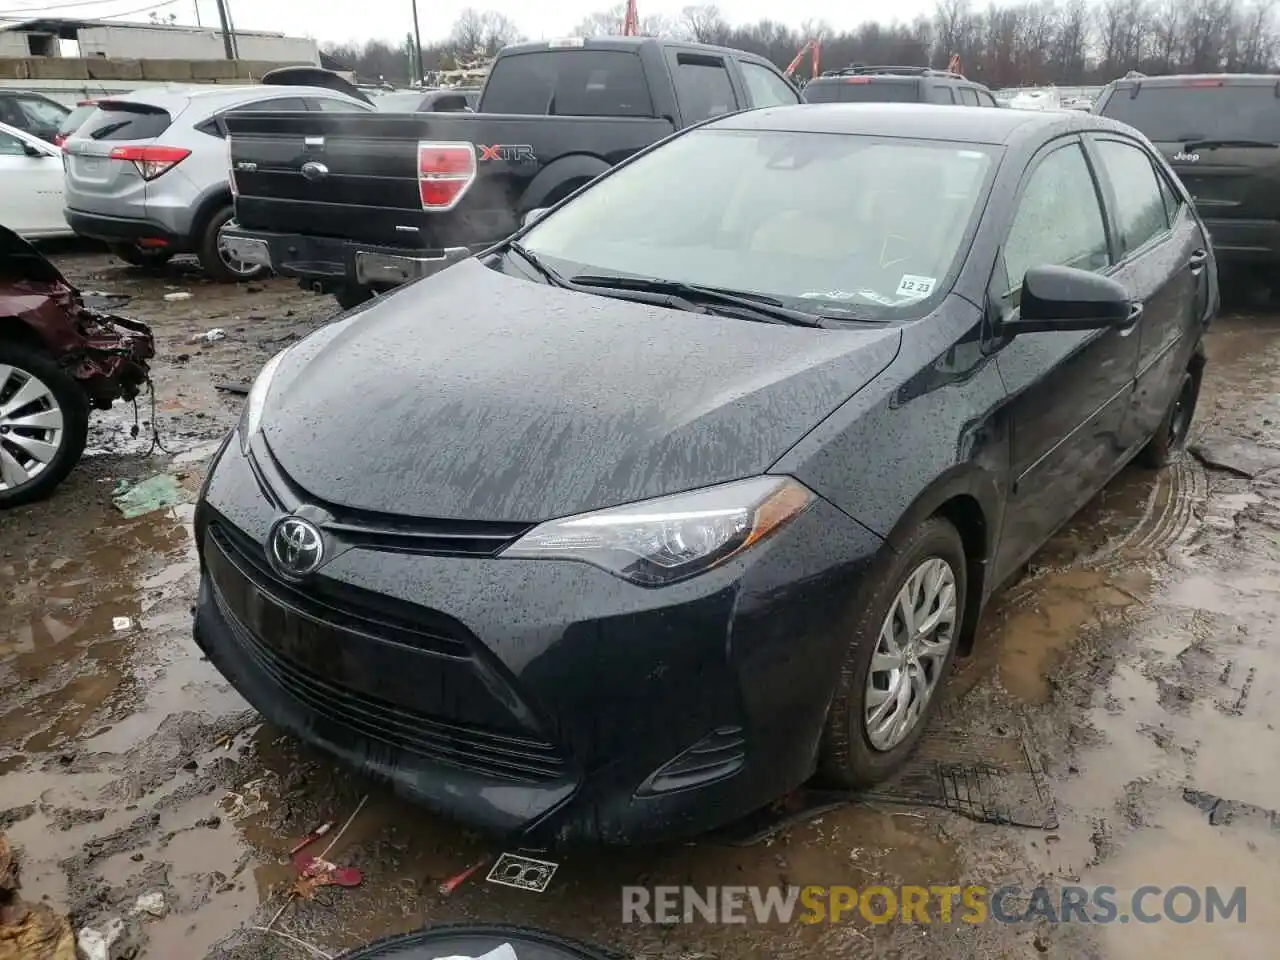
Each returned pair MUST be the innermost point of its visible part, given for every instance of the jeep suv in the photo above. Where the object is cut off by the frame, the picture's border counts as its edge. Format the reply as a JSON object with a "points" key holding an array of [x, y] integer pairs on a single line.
{"points": [[1221, 134], [859, 84]]}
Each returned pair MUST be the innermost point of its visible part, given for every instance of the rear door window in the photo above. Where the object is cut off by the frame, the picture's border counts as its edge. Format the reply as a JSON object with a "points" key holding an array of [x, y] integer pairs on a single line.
{"points": [[969, 96], [569, 83], [766, 88], [122, 120], [1199, 109], [986, 100], [943, 94], [703, 87], [1140, 212]]}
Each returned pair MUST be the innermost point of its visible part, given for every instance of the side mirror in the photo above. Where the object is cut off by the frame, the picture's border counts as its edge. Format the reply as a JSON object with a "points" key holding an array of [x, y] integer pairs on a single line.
{"points": [[532, 216], [1066, 298]]}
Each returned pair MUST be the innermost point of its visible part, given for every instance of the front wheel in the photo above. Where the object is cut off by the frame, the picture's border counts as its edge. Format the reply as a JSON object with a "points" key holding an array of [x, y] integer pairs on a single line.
{"points": [[217, 261], [44, 420], [903, 637]]}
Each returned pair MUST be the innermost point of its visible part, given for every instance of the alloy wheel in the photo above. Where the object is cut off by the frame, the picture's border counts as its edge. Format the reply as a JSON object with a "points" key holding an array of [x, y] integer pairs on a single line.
{"points": [[31, 427], [911, 652], [236, 266]]}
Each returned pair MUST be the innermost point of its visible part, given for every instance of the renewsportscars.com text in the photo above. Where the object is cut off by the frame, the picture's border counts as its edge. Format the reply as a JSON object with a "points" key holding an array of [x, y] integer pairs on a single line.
{"points": [[934, 904]]}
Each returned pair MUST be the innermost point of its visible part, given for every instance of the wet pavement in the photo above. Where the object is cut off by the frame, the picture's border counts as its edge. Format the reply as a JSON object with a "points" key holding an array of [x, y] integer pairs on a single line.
{"points": [[1136, 661]]}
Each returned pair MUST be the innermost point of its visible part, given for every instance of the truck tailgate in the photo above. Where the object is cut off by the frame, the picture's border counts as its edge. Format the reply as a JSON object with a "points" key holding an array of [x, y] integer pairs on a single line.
{"points": [[363, 182]]}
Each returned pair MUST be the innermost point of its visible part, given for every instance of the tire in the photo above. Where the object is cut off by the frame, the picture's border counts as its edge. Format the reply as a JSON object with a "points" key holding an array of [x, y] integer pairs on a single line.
{"points": [[135, 256], [212, 260], [351, 297], [20, 366], [426, 944], [849, 754], [1171, 436]]}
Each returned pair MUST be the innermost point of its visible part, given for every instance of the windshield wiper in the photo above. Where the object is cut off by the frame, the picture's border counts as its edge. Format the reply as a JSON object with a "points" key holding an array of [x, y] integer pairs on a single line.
{"points": [[756, 306], [551, 276], [1210, 142]]}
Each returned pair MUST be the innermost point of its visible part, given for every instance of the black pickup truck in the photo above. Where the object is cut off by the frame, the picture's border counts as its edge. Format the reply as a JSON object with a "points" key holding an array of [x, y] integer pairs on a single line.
{"points": [[353, 203]]}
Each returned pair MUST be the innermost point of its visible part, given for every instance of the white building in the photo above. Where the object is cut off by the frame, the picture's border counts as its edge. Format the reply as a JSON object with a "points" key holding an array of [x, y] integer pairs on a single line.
{"points": [[49, 37]]}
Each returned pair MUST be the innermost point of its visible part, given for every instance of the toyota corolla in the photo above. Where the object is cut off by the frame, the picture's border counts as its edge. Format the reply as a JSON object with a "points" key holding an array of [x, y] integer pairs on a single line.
{"points": [[696, 486]]}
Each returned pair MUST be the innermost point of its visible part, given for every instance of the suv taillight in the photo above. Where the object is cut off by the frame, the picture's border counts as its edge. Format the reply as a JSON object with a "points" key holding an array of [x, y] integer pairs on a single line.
{"points": [[151, 162], [445, 173]]}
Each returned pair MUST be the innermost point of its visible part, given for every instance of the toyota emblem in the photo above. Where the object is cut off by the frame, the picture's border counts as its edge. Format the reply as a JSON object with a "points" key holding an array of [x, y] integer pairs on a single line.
{"points": [[295, 547]]}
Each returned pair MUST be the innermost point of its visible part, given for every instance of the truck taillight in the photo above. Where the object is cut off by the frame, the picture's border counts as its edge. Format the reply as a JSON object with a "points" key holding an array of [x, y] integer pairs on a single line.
{"points": [[151, 162], [231, 171], [445, 173]]}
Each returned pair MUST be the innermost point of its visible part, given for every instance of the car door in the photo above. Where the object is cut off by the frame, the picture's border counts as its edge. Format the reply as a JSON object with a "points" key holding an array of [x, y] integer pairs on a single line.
{"points": [[31, 201], [1162, 261], [1069, 392]]}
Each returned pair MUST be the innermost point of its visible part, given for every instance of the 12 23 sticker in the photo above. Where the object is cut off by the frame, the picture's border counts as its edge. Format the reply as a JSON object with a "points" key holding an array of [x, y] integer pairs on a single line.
{"points": [[912, 286]]}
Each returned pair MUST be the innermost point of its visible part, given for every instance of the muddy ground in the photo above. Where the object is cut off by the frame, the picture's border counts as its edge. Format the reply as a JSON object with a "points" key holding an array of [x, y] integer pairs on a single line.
{"points": [[1120, 711]]}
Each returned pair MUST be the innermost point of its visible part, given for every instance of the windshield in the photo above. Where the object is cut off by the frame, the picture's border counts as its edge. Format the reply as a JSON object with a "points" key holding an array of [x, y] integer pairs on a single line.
{"points": [[1199, 110], [828, 223]]}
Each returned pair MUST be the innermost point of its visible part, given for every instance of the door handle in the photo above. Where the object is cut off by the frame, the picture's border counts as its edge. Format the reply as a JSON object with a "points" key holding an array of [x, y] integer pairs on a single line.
{"points": [[1198, 260]]}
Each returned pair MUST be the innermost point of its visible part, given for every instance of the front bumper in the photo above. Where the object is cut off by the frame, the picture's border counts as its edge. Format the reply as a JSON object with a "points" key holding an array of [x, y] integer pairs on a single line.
{"points": [[543, 699], [334, 262]]}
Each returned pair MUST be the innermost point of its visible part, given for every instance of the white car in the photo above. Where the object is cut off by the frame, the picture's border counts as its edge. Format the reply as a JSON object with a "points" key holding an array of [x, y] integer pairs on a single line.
{"points": [[31, 200]]}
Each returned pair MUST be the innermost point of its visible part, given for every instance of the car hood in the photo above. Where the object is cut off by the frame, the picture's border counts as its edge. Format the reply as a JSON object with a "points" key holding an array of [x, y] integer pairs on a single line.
{"points": [[473, 395], [22, 259]]}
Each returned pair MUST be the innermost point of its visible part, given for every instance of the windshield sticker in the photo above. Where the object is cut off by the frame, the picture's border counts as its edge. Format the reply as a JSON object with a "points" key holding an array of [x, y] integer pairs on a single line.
{"points": [[916, 287]]}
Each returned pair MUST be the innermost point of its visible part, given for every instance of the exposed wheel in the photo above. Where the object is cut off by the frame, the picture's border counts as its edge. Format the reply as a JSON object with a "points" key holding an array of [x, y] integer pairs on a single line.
{"points": [[136, 256], [1171, 436], [44, 419], [474, 939], [217, 260], [905, 628], [351, 297]]}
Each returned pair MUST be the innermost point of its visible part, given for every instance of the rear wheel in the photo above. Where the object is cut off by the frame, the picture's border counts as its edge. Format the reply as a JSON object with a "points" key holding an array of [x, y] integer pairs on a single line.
{"points": [[136, 256], [903, 638], [217, 261], [44, 420], [1171, 436], [351, 297]]}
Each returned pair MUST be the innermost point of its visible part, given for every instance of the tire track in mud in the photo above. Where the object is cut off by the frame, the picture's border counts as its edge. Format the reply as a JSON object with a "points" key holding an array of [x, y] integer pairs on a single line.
{"points": [[1170, 516]]}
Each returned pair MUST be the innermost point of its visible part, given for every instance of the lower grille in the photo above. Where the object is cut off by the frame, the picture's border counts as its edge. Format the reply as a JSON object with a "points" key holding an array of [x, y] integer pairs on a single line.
{"points": [[244, 603]]}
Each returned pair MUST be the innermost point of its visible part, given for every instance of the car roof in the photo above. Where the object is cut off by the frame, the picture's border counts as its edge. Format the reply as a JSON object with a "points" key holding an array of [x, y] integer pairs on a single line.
{"points": [[1180, 79], [625, 44], [215, 96], [917, 121]]}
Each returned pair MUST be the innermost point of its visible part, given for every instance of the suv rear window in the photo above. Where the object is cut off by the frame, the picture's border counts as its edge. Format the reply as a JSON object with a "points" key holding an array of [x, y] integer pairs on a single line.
{"points": [[1199, 110], [569, 83], [862, 90], [119, 120], [74, 119]]}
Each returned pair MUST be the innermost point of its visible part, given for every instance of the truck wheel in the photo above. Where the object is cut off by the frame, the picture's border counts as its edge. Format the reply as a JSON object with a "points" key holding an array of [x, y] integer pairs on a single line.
{"points": [[135, 256], [351, 297], [215, 258], [903, 633], [44, 420]]}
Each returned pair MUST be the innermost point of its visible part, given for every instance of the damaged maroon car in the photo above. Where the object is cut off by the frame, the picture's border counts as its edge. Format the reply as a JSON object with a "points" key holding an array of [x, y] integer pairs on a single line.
{"points": [[59, 359]]}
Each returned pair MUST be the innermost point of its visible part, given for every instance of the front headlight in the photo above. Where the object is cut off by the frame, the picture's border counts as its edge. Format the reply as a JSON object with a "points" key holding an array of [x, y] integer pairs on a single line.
{"points": [[659, 541], [251, 418]]}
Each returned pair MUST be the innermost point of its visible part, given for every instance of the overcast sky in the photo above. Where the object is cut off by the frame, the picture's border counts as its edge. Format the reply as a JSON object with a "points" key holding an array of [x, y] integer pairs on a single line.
{"points": [[347, 20]]}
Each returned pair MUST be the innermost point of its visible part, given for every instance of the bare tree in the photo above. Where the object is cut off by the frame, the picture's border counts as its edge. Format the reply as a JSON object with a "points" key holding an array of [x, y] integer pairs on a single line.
{"points": [[705, 24]]}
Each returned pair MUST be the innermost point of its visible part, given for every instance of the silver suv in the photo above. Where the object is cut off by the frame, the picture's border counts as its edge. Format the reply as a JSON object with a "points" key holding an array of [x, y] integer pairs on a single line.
{"points": [[147, 172]]}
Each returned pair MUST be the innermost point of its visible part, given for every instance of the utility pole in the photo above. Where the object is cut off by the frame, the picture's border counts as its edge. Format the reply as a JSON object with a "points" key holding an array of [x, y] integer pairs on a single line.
{"points": [[416, 59], [228, 37], [196, 4]]}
